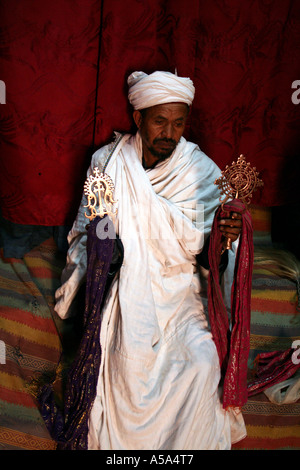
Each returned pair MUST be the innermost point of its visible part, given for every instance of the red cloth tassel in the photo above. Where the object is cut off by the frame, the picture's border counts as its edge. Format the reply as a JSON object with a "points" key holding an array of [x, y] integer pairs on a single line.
{"points": [[232, 340]]}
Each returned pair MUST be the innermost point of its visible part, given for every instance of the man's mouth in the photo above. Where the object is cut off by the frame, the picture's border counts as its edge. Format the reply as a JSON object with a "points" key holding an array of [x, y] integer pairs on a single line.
{"points": [[165, 143]]}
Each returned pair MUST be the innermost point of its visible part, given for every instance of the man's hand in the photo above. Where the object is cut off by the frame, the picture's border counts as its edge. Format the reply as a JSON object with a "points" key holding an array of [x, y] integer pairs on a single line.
{"points": [[230, 225]]}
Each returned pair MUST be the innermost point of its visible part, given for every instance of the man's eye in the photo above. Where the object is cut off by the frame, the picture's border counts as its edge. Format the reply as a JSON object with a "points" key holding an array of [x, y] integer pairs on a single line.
{"points": [[158, 122]]}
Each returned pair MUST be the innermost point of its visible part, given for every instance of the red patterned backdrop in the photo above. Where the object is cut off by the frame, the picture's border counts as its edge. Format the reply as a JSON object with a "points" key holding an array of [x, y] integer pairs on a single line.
{"points": [[65, 64]]}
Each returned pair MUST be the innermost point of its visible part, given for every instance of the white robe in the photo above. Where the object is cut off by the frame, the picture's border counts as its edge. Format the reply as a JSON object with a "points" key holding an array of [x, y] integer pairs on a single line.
{"points": [[158, 384]]}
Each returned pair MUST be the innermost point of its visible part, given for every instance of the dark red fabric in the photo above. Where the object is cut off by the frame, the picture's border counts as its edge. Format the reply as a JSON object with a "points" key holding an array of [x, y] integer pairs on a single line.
{"points": [[65, 64], [232, 338], [273, 368]]}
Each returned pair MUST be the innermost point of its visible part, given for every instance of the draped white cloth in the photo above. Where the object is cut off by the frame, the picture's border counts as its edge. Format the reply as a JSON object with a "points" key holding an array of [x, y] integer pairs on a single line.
{"points": [[159, 88], [158, 385]]}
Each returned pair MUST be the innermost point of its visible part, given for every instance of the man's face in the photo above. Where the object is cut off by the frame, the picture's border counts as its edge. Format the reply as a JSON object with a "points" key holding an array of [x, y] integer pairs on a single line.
{"points": [[161, 128]]}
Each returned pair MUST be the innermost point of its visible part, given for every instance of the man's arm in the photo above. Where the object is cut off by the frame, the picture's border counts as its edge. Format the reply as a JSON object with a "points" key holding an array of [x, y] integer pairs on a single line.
{"points": [[202, 258]]}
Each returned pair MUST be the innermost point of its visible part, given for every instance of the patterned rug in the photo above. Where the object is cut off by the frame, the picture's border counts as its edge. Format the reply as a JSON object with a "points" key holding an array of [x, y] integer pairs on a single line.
{"points": [[31, 342], [275, 324]]}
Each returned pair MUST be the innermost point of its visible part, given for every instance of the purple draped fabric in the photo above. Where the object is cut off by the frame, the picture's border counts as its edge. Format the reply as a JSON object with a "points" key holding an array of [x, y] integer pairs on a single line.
{"points": [[69, 426]]}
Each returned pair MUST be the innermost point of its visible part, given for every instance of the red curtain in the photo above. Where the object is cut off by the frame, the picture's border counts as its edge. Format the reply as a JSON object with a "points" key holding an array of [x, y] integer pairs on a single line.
{"points": [[65, 64]]}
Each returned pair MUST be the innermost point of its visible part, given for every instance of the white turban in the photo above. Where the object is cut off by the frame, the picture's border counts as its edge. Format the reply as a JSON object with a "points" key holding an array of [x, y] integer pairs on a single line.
{"points": [[159, 88]]}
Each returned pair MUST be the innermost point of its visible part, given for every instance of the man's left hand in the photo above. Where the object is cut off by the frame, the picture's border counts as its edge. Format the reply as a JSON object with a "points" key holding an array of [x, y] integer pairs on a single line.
{"points": [[230, 225]]}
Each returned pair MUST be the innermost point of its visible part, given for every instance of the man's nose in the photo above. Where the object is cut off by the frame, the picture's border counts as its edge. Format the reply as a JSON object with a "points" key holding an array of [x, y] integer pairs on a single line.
{"points": [[168, 131]]}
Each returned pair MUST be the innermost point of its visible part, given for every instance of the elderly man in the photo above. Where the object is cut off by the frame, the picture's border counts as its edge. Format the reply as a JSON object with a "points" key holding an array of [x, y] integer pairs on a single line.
{"points": [[159, 376]]}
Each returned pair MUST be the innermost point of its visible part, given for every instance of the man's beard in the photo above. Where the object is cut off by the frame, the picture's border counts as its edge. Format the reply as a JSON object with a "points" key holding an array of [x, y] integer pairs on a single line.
{"points": [[163, 154]]}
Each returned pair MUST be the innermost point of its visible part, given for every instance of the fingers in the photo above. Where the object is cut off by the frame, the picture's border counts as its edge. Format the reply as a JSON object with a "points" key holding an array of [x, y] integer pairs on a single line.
{"points": [[230, 225]]}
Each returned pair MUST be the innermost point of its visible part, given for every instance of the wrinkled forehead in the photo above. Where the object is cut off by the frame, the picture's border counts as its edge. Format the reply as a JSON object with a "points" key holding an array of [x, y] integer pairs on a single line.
{"points": [[167, 110]]}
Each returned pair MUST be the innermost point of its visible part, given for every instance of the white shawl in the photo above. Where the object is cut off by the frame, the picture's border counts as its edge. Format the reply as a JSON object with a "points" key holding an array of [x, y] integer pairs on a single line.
{"points": [[159, 376], [185, 196]]}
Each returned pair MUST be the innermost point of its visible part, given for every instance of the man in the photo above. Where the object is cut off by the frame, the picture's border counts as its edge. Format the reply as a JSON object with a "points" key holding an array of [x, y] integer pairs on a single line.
{"points": [[158, 384]]}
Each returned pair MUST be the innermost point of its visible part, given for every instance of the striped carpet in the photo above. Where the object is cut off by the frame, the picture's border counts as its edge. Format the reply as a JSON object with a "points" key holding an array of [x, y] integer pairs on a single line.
{"points": [[275, 324], [29, 337]]}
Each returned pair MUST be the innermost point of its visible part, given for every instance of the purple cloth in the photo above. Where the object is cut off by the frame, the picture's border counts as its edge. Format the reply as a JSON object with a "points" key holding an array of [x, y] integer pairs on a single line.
{"points": [[69, 426]]}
